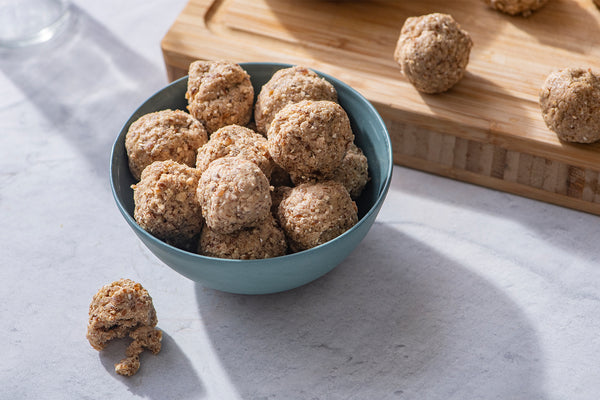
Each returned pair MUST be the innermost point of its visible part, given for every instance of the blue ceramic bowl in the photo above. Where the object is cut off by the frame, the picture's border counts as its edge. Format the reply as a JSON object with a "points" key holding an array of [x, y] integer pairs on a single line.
{"points": [[279, 273]]}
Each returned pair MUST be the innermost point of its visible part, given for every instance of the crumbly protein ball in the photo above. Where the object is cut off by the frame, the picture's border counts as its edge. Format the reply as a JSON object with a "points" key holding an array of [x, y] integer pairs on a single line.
{"points": [[289, 85], [433, 52], [570, 104], [163, 135], [124, 308], [219, 93], [309, 139], [265, 240], [236, 141], [234, 194], [353, 172], [515, 7], [314, 213], [166, 204]]}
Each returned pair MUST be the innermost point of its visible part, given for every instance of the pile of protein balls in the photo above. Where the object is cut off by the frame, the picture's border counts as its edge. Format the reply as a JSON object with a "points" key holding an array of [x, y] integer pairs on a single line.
{"points": [[433, 53], [234, 179]]}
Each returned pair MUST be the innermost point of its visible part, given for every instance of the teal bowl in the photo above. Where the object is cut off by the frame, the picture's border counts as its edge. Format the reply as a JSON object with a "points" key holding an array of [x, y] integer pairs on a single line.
{"points": [[280, 273]]}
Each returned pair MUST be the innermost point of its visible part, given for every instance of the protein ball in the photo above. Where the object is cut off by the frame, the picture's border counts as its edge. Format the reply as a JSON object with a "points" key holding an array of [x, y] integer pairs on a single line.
{"points": [[314, 213], [163, 135], [570, 104], [433, 52], [120, 309], [219, 93], [309, 139], [353, 172], [234, 194], [514, 7], [232, 141], [166, 204], [265, 240], [286, 86]]}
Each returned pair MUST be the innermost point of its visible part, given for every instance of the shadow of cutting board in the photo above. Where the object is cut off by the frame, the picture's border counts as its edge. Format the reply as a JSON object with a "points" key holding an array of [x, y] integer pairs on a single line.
{"points": [[486, 130]]}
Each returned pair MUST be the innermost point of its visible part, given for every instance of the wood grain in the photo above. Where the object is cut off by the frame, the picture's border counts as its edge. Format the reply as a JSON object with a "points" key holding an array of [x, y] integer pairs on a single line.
{"points": [[486, 130]]}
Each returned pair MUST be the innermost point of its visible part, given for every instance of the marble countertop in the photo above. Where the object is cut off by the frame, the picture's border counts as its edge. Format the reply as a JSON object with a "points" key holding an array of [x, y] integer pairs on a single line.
{"points": [[458, 292]]}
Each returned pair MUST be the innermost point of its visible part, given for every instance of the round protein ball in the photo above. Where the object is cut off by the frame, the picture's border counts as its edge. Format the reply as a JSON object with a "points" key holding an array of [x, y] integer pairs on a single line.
{"points": [[570, 104], [234, 194], [265, 240], [353, 172], [309, 139], [515, 7], [289, 85], [163, 135], [166, 204], [433, 52], [314, 213], [219, 93], [236, 141]]}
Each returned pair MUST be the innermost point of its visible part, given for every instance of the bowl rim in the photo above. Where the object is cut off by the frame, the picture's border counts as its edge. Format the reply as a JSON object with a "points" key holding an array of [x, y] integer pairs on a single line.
{"points": [[381, 195]]}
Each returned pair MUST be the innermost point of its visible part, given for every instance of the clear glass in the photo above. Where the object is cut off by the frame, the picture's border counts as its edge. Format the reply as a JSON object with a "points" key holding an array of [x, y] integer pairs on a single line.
{"points": [[27, 22]]}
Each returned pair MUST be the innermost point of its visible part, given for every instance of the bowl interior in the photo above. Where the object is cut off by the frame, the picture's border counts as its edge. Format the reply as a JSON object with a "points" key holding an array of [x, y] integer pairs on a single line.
{"points": [[370, 135]]}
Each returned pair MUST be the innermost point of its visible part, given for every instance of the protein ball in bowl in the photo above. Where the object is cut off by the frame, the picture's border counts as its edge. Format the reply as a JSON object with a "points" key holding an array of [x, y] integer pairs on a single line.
{"points": [[234, 194], [236, 141], [309, 139], [353, 172], [163, 135], [515, 7], [166, 204], [311, 214], [265, 240], [286, 86], [570, 104], [433, 52], [219, 93]]}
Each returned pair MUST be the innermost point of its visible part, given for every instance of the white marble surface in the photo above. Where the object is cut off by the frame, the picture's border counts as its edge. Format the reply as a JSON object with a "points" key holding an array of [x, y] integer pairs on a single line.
{"points": [[458, 292]]}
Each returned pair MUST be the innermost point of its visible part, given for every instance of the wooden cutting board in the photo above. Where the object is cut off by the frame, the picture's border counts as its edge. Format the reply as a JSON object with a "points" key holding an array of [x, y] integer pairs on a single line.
{"points": [[486, 130]]}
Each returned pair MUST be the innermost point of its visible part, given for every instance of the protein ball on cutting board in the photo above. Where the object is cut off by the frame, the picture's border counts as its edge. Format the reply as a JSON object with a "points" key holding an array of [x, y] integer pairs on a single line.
{"points": [[309, 139], [433, 52], [166, 204], [234, 194], [236, 141], [124, 308], [353, 172], [514, 7], [286, 86], [219, 93], [570, 104], [265, 240], [311, 214], [163, 135]]}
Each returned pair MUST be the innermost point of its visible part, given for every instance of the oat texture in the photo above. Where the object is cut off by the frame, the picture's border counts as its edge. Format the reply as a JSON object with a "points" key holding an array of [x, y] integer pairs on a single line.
{"points": [[124, 308], [516, 7], [286, 86], [570, 104], [433, 52], [163, 135], [219, 93], [314, 213]]}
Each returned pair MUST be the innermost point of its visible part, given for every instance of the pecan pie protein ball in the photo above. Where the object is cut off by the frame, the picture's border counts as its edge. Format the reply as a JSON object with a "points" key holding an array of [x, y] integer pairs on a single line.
{"points": [[314, 213], [433, 52], [353, 172], [234, 194], [124, 308], [265, 240], [219, 93], [309, 139], [236, 141], [163, 135], [515, 7], [289, 85], [570, 104], [166, 204]]}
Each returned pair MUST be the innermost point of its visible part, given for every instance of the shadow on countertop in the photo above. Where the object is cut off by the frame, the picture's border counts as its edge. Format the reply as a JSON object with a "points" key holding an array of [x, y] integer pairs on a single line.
{"points": [[380, 327]]}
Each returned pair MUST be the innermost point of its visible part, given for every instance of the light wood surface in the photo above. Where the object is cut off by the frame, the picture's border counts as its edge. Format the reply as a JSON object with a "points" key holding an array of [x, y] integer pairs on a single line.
{"points": [[487, 130]]}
